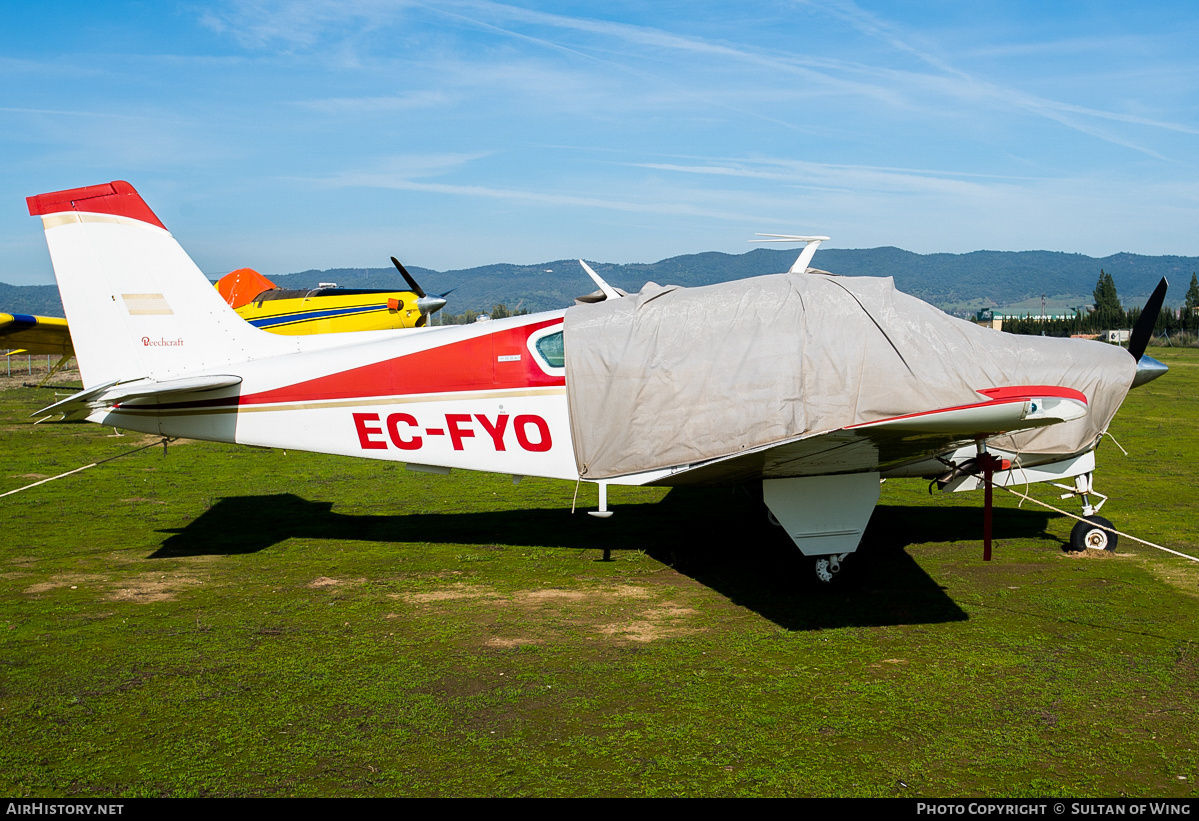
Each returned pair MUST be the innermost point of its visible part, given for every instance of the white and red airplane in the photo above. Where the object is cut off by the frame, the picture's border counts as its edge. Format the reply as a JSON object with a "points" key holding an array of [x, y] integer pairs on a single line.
{"points": [[812, 386]]}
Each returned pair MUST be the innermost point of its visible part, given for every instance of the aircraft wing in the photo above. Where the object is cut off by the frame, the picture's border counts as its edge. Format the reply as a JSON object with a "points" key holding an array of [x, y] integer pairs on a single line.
{"points": [[888, 443], [35, 334]]}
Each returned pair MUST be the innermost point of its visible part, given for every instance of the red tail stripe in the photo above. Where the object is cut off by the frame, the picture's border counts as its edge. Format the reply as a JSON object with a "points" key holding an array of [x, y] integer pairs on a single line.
{"points": [[118, 198]]}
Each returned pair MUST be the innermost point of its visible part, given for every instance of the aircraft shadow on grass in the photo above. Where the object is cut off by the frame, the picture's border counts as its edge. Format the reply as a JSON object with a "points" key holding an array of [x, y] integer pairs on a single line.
{"points": [[715, 537]]}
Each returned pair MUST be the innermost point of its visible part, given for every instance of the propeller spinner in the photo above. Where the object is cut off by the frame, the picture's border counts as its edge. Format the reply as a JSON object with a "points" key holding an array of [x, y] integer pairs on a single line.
{"points": [[427, 305]]}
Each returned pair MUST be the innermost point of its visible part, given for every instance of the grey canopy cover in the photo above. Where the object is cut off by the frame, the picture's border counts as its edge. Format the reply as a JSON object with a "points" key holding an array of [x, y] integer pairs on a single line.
{"points": [[673, 376]]}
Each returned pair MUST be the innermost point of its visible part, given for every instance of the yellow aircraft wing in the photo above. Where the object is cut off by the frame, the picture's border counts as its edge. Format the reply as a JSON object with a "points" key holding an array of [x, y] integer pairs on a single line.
{"points": [[29, 334]]}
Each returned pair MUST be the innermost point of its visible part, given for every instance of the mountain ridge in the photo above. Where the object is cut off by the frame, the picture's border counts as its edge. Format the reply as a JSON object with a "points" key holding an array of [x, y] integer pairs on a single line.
{"points": [[955, 282]]}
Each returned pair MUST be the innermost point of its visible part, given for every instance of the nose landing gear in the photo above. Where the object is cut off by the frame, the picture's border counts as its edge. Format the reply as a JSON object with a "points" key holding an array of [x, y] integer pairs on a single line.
{"points": [[1090, 533]]}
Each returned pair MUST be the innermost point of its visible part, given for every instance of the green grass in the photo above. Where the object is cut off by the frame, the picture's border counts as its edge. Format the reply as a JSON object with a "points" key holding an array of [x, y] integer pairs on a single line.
{"points": [[233, 621]]}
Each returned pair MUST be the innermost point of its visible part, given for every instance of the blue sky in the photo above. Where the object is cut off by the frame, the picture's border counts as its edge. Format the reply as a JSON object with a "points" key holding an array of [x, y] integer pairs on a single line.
{"points": [[287, 136]]}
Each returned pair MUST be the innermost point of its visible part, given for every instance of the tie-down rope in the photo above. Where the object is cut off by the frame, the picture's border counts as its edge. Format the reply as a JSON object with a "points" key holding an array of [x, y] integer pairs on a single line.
{"points": [[162, 442], [1093, 524]]}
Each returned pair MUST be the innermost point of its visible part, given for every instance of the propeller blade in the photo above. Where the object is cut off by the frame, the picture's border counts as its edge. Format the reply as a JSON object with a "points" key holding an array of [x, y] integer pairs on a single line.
{"points": [[1139, 339], [419, 291]]}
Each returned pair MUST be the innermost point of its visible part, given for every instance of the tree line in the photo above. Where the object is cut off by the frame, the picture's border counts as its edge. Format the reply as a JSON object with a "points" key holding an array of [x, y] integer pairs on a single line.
{"points": [[498, 311], [1109, 314]]}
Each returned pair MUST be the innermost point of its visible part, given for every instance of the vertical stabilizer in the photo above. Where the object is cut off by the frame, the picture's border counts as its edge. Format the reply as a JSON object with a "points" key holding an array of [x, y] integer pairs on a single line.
{"points": [[137, 304]]}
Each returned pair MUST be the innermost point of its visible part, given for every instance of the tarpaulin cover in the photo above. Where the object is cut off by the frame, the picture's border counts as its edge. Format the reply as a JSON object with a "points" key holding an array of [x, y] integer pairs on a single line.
{"points": [[673, 376]]}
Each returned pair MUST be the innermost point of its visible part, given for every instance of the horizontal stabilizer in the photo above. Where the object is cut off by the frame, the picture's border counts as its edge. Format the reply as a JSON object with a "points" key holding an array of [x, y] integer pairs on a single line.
{"points": [[113, 393]]}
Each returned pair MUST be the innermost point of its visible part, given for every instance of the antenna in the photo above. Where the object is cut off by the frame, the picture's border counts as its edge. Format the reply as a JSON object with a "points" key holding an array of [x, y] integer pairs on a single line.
{"points": [[609, 291], [805, 256]]}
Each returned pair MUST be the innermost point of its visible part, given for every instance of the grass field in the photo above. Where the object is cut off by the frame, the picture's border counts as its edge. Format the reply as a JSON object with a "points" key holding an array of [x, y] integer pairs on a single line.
{"points": [[228, 621]]}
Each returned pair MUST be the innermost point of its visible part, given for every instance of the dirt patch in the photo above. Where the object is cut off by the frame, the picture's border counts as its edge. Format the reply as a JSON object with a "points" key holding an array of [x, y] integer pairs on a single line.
{"points": [[534, 596], [880, 664], [144, 499], [661, 622], [452, 593], [321, 582], [29, 372], [152, 587], [508, 644], [600, 594], [31, 476], [67, 580], [1182, 577], [548, 611]]}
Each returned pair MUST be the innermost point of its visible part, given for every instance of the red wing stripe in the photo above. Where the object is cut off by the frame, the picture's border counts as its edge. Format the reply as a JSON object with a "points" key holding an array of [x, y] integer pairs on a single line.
{"points": [[1030, 391], [999, 396], [938, 410]]}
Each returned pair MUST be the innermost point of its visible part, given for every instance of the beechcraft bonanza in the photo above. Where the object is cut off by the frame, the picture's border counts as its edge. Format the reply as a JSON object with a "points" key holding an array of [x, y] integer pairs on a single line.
{"points": [[813, 386]]}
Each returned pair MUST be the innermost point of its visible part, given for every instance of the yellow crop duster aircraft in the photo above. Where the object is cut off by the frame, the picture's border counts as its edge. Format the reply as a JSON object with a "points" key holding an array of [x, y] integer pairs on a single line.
{"points": [[322, 310], [326, 309]]}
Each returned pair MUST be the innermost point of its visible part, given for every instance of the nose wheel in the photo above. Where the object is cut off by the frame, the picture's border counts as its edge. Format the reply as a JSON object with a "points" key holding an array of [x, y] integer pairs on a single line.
{"points": [[1090, 534]]}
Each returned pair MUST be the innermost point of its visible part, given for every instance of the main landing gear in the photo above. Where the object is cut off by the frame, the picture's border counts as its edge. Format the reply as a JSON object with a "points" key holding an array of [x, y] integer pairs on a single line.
{"points": [[1090, 533], [829, 569], [825, 517]]}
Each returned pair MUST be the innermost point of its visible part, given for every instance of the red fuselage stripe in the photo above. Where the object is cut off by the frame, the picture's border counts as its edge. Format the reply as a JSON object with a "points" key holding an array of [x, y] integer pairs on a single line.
{"points": [[468, 365]]}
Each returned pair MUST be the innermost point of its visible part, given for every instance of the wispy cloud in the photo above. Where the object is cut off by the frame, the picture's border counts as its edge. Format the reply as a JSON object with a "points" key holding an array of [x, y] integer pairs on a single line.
{"points": [[371, 105], [399, 174], [890, 34], [840, 177], [298, 24]]}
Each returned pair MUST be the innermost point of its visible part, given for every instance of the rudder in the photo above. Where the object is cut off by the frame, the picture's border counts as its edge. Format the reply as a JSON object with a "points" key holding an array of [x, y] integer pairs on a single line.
{"points": [[137, 304]]}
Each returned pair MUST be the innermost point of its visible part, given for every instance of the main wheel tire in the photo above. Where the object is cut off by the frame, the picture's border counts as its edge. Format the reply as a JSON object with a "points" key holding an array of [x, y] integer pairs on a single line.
{"points": [[1086, 535], [827, 576]]}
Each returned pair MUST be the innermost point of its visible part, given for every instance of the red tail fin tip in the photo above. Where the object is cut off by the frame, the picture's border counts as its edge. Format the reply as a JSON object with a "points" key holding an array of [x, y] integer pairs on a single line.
{"points": [[117, 198]]}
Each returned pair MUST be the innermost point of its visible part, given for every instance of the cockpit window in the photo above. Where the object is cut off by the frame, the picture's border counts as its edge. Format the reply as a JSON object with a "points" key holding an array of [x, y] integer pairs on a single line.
{"points": [[552, 350]]}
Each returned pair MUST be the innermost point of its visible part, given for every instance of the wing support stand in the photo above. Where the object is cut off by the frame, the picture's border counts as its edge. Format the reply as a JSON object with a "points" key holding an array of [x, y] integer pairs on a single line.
{"points": [[603, 512], [989, 465]]}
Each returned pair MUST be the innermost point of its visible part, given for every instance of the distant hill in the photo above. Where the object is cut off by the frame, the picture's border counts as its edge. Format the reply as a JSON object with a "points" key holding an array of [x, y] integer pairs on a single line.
{"points": [[1001, 279], [41, 300]]}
